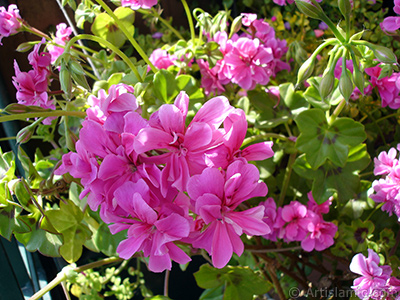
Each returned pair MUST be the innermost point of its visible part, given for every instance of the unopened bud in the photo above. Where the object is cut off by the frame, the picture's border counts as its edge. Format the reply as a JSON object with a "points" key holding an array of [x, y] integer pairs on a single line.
{"points": [[345, 7], [24, 47], [306, 70], [25, 134], [65, 80], [309, 9], [345, 85], [383, 54], [70, 139], [236, 25], [326, 85], [358, 77], [16, 108]]}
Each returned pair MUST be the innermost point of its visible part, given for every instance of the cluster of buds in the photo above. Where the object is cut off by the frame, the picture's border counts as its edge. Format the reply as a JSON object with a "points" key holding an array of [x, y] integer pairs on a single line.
{"points": [[346, 47]]}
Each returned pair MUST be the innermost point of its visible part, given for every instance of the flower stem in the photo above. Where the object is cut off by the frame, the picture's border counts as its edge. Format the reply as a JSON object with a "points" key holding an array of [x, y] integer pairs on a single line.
{"points": [[166, 23], [108, 45], [337, 111], [63, 276], [55, 113], [190, 20], [286, 180], [263, 137], [71, 25], [127, 34]]}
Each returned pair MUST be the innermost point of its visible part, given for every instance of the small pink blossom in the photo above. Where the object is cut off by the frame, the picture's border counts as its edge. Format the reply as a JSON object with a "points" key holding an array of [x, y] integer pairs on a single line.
{"points": [[294, 216], [136, 4], [62, 37], [215, 197], [9, 21], [388, 87], [152, 230], [319, 233], [161, 59], [246, 63], [372, 281], [392, 23], [209, 78]]}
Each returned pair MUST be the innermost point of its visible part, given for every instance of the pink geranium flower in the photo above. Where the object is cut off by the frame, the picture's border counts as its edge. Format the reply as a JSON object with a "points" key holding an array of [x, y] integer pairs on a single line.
{"points": [[293, 216], [183, 147], [136, 4], [246, 63], [209, 78], [150, 230], [215, 198], [372, 282], [161, 59], [9, 21], [62, 37], [388, 87], [392, 23], [319, 233]]}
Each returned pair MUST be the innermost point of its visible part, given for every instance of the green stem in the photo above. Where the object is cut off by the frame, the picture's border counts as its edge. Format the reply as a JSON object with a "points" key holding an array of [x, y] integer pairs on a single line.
{"points": [[337, 111], [328, 42], [166, 23], [190, 20], [330, 24], [127, 34], [37, 32], [263, 137], [51, 285], [63, 276], [108, 45], [286, 180], [347, 18], [55, 113], [375, 209], [99, 263]]}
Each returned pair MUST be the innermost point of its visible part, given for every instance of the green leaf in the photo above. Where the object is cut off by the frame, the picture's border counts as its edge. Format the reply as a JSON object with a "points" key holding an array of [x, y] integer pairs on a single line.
{"points": [[330, 179], [68, 221], [164, 85], [7, 166], [321, 141], [241, 283], [105, 27], [38, 239], [216, 293], [293, 99], [107, 242]]}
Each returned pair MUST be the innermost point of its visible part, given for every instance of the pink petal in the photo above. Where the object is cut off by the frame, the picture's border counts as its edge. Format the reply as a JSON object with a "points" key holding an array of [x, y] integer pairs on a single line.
{"points": [[210, 181], [259, 151], [221, 246], [213, 112], [150, 139]]}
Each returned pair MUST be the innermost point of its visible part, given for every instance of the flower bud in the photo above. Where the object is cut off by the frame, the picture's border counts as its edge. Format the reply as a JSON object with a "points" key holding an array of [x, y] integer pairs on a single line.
{"points": [[345, 7], [236, 25], [70, 139], [326, 85], [306, 70], [345, 85], [24, 47], [309, 9], [358, 77], [25, 134], [384, 54], [65, 80]]}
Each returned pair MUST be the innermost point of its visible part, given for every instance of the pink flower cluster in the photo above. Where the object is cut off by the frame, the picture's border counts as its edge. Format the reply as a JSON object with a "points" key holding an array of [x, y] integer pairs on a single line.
{"points": [[387, 188], [166, 181], [32, 85], [248, 59], [62, 37], [392, 23], [136, 4], [297, 222], [9, 21], [161, 59], [388, 87], [375, 281]]}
